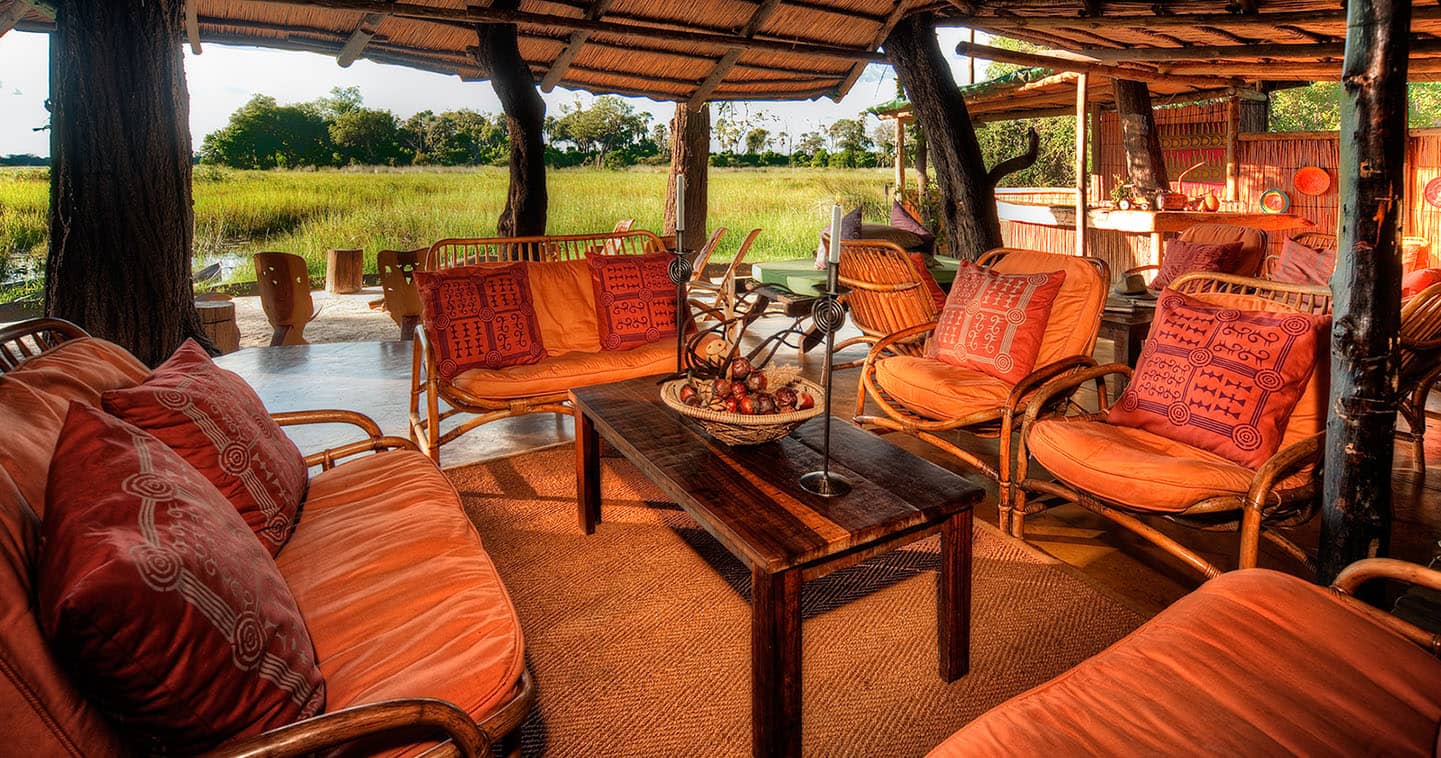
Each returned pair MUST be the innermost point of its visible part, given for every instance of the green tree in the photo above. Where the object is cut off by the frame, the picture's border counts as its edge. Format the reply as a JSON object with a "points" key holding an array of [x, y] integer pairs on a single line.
{"points": [[456, 138], [757, 140], [367, 136], [263, 134], [1317, 107], [608, 125]]}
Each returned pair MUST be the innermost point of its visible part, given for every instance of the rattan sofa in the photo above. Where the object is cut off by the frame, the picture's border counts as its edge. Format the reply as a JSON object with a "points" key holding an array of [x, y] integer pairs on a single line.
{"points": [[379, 530]]}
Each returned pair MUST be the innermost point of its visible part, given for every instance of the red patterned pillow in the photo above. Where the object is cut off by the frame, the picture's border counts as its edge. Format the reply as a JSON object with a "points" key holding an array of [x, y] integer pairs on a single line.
{"points": [[480, 317], [1300, 264], [634, 299], [217, 423], [1184, 257], [994, 323], [928, 280], [155, 596], [1221, 379]]}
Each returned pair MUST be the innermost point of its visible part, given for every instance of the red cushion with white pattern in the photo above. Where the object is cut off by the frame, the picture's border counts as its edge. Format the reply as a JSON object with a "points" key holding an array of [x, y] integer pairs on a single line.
{"points": [[154, 595], [216, 422], [480, 317], [994, 323], [1221, 379], [635, 299]]}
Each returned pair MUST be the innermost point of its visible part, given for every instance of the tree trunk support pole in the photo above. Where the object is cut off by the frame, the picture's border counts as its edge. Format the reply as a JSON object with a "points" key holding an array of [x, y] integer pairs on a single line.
{"points": [[121, 218], [1360, 429], [690, 155], [968, 204], [498, 53], [1145, 163]]}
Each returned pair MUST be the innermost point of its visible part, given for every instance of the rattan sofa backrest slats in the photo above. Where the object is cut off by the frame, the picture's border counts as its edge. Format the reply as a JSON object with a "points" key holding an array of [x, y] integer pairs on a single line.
{"points": [[448, 253]]}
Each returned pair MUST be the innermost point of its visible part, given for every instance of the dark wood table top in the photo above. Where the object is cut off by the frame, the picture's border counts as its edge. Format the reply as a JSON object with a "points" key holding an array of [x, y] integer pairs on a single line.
{"points": [[750, 497]]}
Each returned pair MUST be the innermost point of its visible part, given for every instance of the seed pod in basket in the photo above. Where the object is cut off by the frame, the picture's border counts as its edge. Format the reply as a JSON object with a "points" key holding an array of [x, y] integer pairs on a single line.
{"points": [[741, 368], [688, 394], [804, 401], [756, 382], [765, 403], [785, 399]]}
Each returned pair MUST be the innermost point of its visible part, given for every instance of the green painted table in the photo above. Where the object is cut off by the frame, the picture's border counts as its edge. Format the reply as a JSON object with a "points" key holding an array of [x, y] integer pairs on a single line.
{"points": [[800, 276]]}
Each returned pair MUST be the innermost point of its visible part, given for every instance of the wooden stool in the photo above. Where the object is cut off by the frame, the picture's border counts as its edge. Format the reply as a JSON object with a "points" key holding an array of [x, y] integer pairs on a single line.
{"points": [[343, 270], [217, 319]]}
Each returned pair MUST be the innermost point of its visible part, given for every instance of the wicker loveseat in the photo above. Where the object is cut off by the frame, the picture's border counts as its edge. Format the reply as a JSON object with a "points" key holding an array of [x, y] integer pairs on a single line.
{"points": [[1253, 663], [413, 630], [564, 301]]}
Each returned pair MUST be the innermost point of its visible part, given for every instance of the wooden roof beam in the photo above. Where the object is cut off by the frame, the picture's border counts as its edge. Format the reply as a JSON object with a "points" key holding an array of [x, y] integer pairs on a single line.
{"points": [[491, 15], [1002, 23], [359, 38], [1303, 51], [723, 67], [192, 25], [572, 47], [899, 12], [12, 16], [1076, 62]]}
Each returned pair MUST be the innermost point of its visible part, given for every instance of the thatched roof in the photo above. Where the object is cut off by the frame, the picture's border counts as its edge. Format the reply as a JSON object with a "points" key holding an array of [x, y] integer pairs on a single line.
{"points": [[665, 49]]}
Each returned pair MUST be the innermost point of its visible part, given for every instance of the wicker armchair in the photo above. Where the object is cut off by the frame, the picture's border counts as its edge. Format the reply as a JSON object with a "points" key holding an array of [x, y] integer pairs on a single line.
{"points": [[1126, 474], [561, 247], [1419, 351], [943, 399], [397, 281], [284, 283], [884, 294]]}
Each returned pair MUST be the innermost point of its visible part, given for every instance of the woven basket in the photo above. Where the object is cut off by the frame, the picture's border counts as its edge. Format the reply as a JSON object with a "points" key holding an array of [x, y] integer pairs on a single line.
{"points": [[740, 429]]}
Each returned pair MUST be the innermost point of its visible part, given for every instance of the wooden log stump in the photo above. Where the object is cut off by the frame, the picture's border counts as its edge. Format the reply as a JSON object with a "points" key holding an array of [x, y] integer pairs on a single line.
{"points": [[217, 320], [343, 270]]}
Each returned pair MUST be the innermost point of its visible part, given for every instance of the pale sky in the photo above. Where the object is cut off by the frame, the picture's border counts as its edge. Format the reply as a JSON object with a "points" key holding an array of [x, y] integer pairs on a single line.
{"points": [[222, 78]]}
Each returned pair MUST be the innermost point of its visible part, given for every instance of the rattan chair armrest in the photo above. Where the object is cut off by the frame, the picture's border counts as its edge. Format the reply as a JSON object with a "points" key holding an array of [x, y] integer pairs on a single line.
{"points": [[335, 729], [878, 350], [1285, 462], [1140, 269], [869, 286], [375, 441], [1042, 374], [300, 418], [1353, 576], [1068, 383]]}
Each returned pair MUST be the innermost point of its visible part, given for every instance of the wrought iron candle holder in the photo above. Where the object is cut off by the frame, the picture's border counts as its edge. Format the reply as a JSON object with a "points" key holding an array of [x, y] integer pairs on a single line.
{"points": [[680, 272], [829, 316]]}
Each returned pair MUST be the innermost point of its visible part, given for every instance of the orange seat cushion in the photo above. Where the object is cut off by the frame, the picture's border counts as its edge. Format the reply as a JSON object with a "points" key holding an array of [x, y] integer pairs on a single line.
{"points": [[1133, 466], [1253, 663], [939, 390], [564, 372], [399, 596]]}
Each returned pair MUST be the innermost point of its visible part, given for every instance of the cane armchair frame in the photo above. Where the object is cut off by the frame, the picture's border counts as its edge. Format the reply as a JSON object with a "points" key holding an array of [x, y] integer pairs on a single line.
{"points": [[428, 390], [884, 295], [1419, 367], [721, 293], [31, 337], [1273, 500], [994, 422]]}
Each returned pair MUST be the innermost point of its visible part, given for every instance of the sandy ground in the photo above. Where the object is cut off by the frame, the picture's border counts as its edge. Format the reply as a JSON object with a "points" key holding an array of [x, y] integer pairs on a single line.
{"points": [[342, 318]]}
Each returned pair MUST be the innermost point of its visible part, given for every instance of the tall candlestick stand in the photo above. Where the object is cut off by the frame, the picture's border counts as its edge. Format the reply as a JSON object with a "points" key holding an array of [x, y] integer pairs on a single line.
{"points": [[680, 270], [829, 316]]}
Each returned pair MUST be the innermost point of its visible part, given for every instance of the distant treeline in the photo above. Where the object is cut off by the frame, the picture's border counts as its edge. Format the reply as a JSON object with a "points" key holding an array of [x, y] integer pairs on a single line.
{"points": [[23, 159]]}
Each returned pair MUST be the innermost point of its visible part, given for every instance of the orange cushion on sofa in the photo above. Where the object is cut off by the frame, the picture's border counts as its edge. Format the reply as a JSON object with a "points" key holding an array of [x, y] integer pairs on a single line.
{"points": [[1253, 663], [216, 422], [397, 593], [156, 596], [560, 373], [564, 304], [479, 317], [994, 323], [1221, 379], [635, 300]]}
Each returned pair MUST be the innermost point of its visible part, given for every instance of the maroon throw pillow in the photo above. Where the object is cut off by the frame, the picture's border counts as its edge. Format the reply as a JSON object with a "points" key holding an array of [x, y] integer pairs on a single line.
{"points": [[850, 230], [479, 317], [158, 601], [1419, 281], [928, 280], [1221, 379], [634, 299], [1185, 257], [1300, 264], [902, 219], [216, 422], [995, 323]]}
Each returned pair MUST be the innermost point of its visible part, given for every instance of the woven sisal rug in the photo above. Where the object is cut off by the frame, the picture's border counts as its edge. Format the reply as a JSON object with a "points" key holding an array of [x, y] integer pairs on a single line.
{"points": [[639, 635]]}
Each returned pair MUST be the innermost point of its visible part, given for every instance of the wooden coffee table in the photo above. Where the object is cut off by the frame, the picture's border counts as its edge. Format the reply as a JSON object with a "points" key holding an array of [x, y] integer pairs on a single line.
{"points": [[749, 499]]}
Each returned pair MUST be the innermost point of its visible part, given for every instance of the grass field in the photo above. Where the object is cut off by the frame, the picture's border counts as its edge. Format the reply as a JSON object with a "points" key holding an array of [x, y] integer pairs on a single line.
{"points": [[238, 213]]}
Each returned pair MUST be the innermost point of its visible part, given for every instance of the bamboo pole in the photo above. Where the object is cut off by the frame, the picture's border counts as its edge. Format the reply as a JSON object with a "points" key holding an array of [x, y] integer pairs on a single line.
{"points": [[1081, 93], [1233, 145], [1172, 20], [1279, 50], [1361, 426], [900, 159]]}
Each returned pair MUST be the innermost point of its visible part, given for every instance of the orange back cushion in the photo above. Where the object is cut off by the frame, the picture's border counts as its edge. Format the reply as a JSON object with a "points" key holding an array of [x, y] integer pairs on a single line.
{"points": [[1076, 312], [565, 306]]}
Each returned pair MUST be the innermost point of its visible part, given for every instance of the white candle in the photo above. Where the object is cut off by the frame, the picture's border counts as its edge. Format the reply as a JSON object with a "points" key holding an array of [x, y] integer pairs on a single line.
{"points": [[680, 202], [835, 234]]}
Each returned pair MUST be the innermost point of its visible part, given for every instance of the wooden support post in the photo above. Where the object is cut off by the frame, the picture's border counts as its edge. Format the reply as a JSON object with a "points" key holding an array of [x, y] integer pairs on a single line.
{"points": [[499, 56], [1360, 430], [1233, 147], [690, 155], [121, 223], [1145, 162], [968, 203], [1081, 180], [1095, 150], [900, 158]]}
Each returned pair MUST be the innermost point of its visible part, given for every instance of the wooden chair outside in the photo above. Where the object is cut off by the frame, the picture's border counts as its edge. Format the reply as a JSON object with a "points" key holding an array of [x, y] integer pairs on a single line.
{"points": [[448, 253], [32, 337], [1070, 339], [717, 298], [702, 256], [1253, 247], [285, 295], [1419, 353], [1283, 492], [397, 281]]}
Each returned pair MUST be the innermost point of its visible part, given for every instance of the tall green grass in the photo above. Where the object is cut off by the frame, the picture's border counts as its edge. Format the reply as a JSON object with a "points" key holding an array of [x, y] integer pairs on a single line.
{"points": [[238, 213]]}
